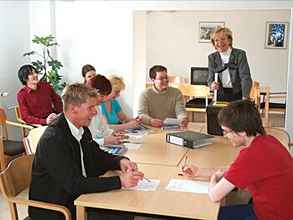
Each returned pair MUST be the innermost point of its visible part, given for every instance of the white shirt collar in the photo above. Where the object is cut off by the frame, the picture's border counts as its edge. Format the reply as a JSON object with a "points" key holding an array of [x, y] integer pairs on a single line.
{"points": [[226, 53], [76, 132]]}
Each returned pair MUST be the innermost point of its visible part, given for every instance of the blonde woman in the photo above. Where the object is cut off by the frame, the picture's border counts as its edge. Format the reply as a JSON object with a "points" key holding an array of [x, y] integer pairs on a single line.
{"points": [[112, 110], [234, 80]]}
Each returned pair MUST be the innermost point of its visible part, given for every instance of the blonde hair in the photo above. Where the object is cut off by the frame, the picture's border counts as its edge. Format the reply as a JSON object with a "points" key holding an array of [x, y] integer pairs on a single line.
{"points": [[226, 31], [116, 82], [77, 94]]}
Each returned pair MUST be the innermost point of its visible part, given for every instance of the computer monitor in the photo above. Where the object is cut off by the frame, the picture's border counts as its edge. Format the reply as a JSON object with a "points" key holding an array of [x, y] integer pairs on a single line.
{"points": [[199, 75]]}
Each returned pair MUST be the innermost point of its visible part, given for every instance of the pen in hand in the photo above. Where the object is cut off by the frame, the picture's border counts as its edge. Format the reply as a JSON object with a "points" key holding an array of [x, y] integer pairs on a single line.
{"points": [[147, 179]]}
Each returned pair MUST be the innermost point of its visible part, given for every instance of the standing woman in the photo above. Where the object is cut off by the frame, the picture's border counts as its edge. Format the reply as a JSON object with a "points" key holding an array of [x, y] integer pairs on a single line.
{"points": [[234, 80], [111, 108]]}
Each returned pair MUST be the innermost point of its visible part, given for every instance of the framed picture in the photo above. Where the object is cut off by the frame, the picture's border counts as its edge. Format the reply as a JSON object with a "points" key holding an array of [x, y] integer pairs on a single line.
{"points": [[276, 35], [206, 28]]}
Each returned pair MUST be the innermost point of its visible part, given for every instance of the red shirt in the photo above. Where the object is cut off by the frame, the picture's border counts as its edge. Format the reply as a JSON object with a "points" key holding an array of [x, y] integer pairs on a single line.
{"points": [[265, 169], [36, 105]]}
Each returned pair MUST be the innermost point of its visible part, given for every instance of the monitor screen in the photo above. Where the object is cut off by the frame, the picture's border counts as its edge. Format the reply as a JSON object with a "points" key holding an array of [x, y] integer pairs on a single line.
{"points": [[199, 75]]}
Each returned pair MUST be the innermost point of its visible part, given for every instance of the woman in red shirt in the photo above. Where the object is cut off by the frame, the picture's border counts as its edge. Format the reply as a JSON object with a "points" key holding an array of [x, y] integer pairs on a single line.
{"points": [[37, 100], [263, 167]]}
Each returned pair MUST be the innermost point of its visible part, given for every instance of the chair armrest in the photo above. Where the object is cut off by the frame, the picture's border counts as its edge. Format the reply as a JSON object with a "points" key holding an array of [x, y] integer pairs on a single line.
{"points": [[19, 125], [45, 205]]}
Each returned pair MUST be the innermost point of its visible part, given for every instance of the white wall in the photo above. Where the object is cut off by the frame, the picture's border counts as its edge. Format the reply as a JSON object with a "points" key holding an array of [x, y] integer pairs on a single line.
{"points": [[100, 35], [14, 35], [172, 40]]}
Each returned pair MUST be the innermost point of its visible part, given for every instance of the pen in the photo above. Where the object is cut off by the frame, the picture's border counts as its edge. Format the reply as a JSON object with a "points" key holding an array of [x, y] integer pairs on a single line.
{"points": [[147, 179], [185, 161]]}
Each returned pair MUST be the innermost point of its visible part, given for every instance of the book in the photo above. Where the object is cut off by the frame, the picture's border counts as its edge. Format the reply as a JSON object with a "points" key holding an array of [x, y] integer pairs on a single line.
{"points": [[190, 139], [114, 149]]}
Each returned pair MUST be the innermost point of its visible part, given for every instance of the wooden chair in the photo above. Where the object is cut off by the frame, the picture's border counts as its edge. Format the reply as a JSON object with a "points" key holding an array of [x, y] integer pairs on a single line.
{"points": [[255, 93], [15, 179], [9, 149], [196, 97], [24, 131], [281, 134], [32, 140]]}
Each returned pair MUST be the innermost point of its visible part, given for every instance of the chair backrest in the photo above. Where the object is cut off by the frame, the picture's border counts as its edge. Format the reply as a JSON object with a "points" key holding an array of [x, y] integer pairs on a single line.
{"points": [[255, 93], [32, 140], [281, 134], [194, 90], [18, 114], [17, 176], [3, 126]]}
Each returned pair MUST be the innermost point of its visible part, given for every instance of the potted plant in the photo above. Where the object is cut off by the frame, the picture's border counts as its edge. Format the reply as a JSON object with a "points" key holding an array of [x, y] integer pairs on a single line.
{"points": [[45, 64]]}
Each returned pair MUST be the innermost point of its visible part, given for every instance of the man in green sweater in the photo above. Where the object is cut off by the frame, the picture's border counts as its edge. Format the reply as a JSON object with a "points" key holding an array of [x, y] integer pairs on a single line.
{"points": [[161, 101]]}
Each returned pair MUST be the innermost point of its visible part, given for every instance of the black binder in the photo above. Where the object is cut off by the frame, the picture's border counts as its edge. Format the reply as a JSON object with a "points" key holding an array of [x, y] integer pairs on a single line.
{"points": [[190, 139]]}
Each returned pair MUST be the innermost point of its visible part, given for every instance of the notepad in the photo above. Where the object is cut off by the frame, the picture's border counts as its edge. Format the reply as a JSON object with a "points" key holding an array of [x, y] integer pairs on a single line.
{"points": [[144, 185], [188, 186]]}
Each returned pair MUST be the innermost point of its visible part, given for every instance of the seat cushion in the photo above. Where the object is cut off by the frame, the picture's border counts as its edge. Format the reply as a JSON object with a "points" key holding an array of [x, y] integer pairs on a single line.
{"points": [[13, 148]]}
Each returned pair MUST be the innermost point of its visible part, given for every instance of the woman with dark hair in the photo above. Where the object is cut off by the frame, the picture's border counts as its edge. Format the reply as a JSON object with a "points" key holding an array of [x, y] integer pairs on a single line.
{"points": [[38, 102], [264, 167], [99, 127], [88, 72]]}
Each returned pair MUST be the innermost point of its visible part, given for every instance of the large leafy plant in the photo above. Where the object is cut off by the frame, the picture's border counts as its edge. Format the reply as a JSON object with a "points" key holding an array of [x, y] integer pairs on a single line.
{"points": [[45, 63]]}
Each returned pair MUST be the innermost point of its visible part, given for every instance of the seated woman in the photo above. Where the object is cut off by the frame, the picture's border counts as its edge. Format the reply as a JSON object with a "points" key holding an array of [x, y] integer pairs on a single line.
{"points": [[99, 126], [111, 108], [264, 167], [88, 72], [37, 100]]}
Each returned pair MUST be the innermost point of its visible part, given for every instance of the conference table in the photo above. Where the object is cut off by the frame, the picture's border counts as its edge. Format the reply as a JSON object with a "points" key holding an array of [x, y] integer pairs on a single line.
{"points": [[162, 161]]}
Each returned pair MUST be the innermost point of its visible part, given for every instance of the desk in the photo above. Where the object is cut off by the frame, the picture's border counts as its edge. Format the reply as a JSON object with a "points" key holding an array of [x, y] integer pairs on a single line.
{"points": [[220, 153], [155, 150], [159, 202]]}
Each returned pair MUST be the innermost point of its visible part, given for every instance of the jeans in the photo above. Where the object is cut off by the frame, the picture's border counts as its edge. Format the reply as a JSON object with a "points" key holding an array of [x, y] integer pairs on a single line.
{"points": [[239, 212]]}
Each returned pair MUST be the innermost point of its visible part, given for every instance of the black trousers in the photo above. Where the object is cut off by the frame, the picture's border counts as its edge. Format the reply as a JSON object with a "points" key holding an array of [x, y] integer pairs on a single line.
{"points": [[226, 94]]}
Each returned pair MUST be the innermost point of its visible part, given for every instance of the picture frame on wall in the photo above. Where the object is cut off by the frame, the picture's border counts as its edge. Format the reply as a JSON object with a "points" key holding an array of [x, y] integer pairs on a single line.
{"points": [[276, 35], [206, 28]]}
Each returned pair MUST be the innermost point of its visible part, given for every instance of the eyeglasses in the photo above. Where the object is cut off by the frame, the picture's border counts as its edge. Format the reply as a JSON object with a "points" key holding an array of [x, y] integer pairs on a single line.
{"points": [[163, 78]]}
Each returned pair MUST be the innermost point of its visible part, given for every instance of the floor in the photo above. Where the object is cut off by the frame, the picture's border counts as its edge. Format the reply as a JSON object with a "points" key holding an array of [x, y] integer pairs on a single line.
{"points": [[277, 120]]}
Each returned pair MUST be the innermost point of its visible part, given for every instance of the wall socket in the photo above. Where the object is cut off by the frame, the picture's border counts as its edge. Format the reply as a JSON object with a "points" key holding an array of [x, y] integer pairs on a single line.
{"points": [[3, 93]]}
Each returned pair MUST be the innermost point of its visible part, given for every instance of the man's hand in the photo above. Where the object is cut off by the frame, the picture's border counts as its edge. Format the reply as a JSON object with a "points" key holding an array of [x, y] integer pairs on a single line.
{"points": [[113, 139], [133, 123], [184, 123], [217, 176], [131, 178], [156, 123], [127, 165], [50, 118], [190, 170]]}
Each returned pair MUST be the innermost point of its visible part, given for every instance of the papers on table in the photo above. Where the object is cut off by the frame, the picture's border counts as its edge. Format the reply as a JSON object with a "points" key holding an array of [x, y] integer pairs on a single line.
{"points": [[132, 146], [188, 186], [145, 185], [171, 121]]}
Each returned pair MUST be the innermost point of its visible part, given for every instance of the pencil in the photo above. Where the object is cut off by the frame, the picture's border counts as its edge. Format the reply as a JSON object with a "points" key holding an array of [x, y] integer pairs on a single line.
{"points": [[147, 179]]}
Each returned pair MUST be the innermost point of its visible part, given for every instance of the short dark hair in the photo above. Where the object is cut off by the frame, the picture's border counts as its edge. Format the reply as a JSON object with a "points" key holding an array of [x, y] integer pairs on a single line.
{"points": [[86, 68], [101, 83], [242, 116], [24, 71], [156, 68]]}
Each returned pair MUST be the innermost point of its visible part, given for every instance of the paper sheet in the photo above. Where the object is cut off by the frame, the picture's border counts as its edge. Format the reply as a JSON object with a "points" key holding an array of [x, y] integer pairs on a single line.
{"points": [[188, 186], [144, 185], [132, 146]]}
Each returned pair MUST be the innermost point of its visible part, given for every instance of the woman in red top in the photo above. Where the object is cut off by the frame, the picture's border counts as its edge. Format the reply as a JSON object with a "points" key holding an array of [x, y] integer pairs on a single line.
{"points": [[263, 167], [38, 102]]}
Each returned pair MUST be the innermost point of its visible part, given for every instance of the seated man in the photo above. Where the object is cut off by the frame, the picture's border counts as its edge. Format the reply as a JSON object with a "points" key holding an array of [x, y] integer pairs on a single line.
{"points": [[69, 163], [38, 102], [161, 101]]}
